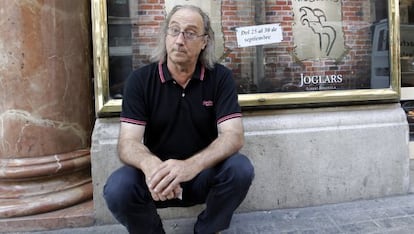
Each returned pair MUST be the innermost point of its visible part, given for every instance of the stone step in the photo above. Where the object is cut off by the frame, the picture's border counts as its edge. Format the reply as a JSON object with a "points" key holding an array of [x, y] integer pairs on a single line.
{"points": [[81, 215]]}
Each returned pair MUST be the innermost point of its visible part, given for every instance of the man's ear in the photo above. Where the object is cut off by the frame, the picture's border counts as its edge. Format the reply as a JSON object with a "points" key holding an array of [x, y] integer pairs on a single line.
{"points": [[205, 43]]}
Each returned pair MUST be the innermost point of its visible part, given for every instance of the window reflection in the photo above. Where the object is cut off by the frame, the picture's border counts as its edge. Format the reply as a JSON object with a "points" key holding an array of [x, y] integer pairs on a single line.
{"points": [[327, 45]]}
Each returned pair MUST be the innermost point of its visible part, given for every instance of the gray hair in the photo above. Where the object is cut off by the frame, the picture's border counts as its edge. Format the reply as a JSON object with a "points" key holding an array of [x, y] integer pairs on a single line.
{"points": [[206, 57]]}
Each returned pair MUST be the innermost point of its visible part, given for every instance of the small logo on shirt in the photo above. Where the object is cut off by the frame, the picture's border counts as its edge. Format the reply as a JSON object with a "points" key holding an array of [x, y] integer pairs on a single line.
{"points": [[207, 103]]}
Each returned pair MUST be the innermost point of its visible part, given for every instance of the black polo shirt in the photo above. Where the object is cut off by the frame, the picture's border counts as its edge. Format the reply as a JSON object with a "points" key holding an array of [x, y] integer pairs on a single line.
{"points": [[179, 122]]}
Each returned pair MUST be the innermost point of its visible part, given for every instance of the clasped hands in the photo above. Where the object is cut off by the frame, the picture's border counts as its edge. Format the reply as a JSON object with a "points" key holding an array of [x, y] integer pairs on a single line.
{"points": [[163, 178]]}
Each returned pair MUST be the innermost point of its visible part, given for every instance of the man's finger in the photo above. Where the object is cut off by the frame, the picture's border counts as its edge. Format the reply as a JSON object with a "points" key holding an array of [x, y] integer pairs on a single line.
{"points": [[171, 196], [156, 177], [155, 196], [171, 187]]}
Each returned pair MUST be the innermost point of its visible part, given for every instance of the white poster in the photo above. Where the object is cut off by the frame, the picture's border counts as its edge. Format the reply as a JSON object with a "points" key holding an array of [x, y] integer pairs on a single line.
{"points": [[259, 35], [318, 30]]}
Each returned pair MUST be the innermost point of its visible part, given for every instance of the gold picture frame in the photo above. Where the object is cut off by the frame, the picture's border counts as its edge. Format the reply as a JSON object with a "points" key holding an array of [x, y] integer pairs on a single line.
{"points": [[107, 106]]}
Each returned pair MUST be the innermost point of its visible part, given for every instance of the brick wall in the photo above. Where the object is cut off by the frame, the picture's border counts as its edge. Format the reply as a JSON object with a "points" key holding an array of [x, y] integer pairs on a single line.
{"points": [[146, 24]]}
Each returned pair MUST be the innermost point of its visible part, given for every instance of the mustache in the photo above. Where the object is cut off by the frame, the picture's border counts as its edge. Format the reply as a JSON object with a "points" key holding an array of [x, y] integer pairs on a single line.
{"points": [[180, 49]]}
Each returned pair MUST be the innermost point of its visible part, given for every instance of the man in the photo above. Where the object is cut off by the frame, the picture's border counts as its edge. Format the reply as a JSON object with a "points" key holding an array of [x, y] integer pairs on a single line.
{"points": [[180, 134]]}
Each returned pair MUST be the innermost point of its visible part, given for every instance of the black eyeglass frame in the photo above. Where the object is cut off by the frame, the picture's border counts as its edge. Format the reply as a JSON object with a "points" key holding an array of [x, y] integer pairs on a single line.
{"points": [[189, 36]]}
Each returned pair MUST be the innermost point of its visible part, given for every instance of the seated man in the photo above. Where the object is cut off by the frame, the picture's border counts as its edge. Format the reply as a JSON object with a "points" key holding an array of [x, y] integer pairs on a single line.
{"points": [[181, 130]]}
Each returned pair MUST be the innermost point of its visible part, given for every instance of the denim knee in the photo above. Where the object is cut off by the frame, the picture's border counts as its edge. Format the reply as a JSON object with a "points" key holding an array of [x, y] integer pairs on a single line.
{"points": [[122, 188], [242, 170]]}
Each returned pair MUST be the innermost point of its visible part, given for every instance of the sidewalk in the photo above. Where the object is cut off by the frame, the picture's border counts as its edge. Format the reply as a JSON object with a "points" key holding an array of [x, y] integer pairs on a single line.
{"points": [[386, 215]]}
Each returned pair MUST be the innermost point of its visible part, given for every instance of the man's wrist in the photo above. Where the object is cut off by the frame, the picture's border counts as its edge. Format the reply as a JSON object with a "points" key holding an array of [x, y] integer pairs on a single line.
{"points": [[196, 163], [147, 162]]}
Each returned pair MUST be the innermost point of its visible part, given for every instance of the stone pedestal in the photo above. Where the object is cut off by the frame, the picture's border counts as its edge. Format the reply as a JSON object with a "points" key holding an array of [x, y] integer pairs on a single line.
{"points": [[310, 157], [45, 106], [302, 157]]}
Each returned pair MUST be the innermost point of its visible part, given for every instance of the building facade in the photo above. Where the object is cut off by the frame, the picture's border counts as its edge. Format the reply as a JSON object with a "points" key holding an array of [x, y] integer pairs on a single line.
{"points": [[327, 98]]}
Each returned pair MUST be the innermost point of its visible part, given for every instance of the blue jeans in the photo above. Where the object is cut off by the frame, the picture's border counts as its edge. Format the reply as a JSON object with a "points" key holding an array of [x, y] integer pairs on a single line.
{"points": [[222, 188]]}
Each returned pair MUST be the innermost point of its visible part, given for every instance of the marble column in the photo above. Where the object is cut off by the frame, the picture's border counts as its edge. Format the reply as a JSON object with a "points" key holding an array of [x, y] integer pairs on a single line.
{"points": [[45, 105]]}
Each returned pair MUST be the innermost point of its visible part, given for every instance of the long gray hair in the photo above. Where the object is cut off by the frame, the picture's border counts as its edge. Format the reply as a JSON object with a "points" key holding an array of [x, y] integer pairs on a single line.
{"points": [[207, 56]]}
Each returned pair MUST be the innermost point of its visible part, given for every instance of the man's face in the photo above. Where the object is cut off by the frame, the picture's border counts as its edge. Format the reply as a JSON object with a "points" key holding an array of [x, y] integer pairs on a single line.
{"points": [[182, 50]]}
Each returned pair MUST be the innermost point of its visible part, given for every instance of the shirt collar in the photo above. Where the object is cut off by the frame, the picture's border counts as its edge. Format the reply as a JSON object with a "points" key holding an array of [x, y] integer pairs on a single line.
{"points": [[165, 74]]}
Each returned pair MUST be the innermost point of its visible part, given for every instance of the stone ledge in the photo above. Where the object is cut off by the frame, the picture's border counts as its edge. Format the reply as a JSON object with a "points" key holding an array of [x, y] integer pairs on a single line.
{"points": [[302, 157]]}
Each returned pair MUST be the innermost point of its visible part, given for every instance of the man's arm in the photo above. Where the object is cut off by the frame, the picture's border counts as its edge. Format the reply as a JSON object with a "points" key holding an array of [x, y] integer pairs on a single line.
{"points": [[229, 141], [133, 152], [131, 149], [173, 172]]}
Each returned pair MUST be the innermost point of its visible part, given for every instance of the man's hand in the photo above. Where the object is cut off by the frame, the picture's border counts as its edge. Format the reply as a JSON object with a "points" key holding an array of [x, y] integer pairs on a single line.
{"points": [[165, 180], [150, 166], [176, 193]]}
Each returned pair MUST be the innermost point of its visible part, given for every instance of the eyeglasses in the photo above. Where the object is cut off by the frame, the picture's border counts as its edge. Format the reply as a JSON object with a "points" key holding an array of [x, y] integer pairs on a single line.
{"points": [[188, 35]]}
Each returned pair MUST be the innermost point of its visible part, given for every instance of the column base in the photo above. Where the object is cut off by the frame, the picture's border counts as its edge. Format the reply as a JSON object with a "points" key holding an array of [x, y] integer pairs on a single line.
{"points": [[81, 215]]}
